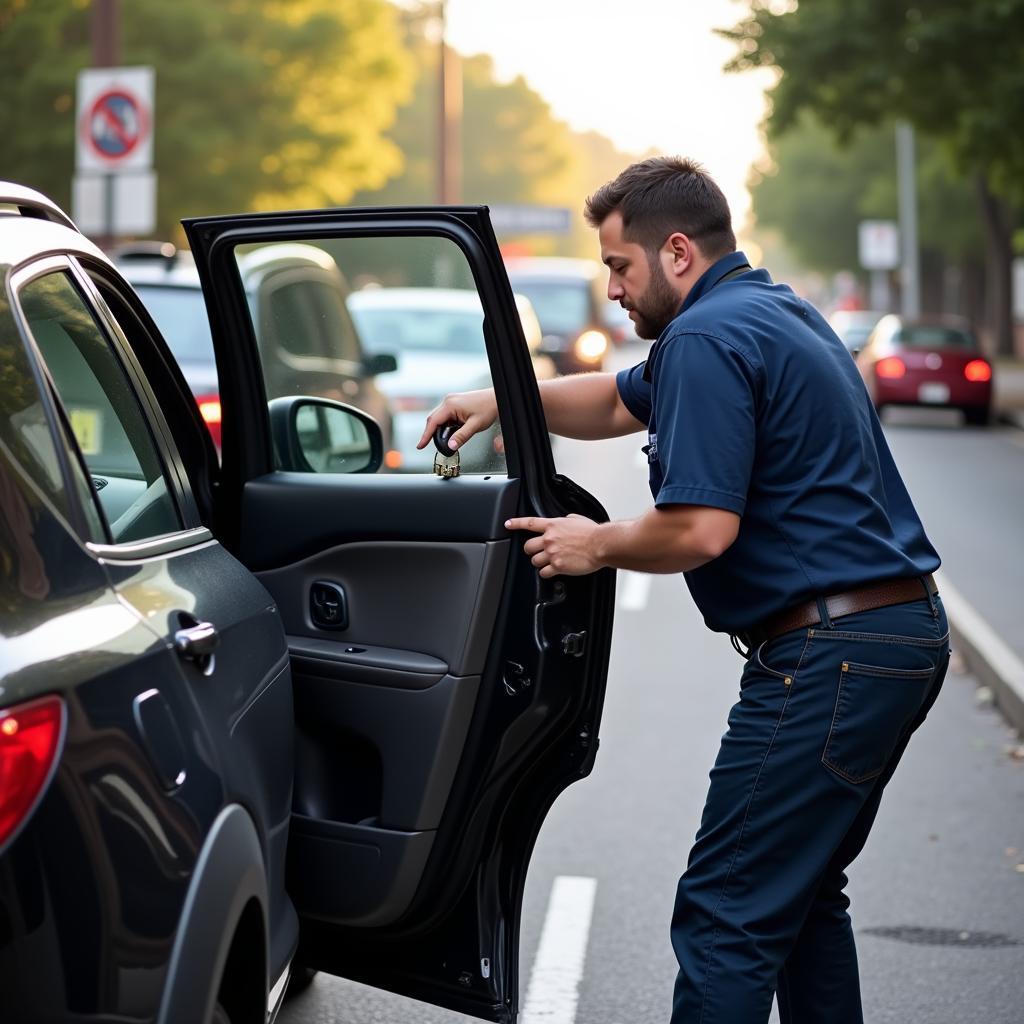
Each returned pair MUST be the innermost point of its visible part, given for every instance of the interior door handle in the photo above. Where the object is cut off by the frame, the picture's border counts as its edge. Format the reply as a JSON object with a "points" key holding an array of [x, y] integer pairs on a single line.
{"points": [[197, 643]]}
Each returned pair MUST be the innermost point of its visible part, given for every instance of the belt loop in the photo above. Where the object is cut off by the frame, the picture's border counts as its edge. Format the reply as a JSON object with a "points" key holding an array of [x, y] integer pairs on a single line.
{"points": [[826, 619], [931, 597]]}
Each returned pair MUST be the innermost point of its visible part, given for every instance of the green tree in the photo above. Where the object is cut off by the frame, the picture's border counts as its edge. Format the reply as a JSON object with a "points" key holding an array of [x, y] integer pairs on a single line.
{"points": [[259, 103], [951, 69], [815, 191]]}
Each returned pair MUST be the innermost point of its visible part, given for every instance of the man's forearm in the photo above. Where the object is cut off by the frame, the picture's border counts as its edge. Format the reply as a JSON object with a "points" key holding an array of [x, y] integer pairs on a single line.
{"points": [[586, 406], [660, 541]]}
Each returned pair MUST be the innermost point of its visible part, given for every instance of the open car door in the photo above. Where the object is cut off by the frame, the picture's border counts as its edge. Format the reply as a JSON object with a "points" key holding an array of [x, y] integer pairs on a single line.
{"points": [[444, 693]]}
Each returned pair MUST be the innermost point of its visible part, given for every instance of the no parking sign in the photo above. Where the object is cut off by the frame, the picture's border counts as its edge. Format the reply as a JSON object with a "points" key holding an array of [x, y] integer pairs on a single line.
{"points": [[114, 188], [115, 120]]}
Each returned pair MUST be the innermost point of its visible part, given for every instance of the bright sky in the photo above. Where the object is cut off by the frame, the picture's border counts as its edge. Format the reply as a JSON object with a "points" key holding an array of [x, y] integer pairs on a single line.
{"points": [[645, 73]]}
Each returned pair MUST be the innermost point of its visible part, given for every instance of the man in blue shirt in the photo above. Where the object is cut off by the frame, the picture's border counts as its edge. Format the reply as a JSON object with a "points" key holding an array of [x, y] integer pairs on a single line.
{"points": [[776, 495]]}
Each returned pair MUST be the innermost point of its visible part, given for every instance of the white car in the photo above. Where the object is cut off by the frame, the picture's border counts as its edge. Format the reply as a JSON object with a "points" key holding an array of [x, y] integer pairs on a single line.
{"points": [[437, 336]]}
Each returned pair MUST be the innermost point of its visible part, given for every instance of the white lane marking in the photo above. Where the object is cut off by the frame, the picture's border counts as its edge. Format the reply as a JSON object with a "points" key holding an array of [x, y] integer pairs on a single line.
{"points": [[558, 968], [982, 636], [633, 595]]}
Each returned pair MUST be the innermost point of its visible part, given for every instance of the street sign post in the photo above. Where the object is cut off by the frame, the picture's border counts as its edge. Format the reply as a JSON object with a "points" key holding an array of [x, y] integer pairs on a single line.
{"points": [[524, 219], [879, 252], [114, 188]]}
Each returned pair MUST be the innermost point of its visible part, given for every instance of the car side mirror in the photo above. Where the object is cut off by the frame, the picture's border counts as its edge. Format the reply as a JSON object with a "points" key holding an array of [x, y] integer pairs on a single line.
{"points": [[383, 362], [318, 435]]}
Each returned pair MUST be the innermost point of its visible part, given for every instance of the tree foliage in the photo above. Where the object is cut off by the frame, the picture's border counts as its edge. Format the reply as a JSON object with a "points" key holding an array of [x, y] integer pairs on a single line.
{"points": [[952, 69], [815, 191], [259, 103]]}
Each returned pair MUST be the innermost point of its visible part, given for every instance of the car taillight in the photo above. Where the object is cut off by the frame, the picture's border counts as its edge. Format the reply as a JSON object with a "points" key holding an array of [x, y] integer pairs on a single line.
{"points": [[209, 409], [890, 368], [29, 740], [978, 370]]}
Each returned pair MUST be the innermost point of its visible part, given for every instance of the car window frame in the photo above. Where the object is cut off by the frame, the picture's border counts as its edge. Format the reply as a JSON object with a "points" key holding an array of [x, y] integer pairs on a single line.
{"points": [[254, 458], [192, 531]]}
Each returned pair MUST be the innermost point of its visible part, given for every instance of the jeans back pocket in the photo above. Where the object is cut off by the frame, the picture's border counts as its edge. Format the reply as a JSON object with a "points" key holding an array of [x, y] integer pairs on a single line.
{"points": [[873, 707]]}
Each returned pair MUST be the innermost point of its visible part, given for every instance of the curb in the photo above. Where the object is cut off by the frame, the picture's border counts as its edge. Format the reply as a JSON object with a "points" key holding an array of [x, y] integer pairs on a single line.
{"points": [[1011, 417], [989, 659]]}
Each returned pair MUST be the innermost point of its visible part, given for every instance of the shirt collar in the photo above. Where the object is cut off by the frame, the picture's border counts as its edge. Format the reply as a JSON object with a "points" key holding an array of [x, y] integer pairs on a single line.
{"points": [[703, 285], [712, 276]]}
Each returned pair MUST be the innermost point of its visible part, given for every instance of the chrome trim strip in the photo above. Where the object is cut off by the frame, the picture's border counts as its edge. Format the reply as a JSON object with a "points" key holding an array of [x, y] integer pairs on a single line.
{"points": [[152, 548], [276, 995]]}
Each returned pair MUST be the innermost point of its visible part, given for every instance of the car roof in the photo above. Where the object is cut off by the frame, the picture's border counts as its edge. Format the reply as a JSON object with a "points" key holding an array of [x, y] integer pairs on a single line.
{"points": [[415, 298], [553, 267], [34, 226], [177, 268]]}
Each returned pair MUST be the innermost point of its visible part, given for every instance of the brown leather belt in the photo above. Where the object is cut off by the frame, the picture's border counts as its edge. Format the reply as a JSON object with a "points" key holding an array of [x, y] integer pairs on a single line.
{"points": [[862, 599]]}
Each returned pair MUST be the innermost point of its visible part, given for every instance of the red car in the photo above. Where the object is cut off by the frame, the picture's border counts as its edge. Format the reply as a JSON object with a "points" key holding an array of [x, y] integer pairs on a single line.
{"points": [[927, 361]]}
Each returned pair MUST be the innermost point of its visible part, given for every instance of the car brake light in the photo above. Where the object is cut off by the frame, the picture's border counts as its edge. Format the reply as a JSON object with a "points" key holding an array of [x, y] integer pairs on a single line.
{"points": [[29, 739], [393, 459], [978, 370], [209, 409], [891, 368]]}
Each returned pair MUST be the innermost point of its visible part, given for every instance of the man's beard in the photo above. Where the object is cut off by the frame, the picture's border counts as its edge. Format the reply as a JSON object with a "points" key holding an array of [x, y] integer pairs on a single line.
{"points": [[657, 307]]}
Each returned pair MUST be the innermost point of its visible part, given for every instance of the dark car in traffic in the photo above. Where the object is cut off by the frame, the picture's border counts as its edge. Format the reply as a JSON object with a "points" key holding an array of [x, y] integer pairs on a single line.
{"points": [[308, 342], [932, 362], [569, 298], [276, 712]]}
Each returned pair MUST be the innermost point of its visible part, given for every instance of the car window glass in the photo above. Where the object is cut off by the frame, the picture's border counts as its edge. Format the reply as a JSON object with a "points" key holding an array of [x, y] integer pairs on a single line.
{"points": [[180, 313], [102, 409], [562, 306], [374, 303], [24, 430], [929, 336]]}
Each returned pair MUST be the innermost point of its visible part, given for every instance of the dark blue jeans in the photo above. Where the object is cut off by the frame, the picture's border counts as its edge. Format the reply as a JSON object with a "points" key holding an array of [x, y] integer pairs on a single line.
{"points": [[823, 718]]}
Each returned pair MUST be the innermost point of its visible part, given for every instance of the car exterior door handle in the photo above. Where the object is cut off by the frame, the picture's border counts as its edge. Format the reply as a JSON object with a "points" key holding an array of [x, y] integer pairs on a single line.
{"points": [[197, 643]]}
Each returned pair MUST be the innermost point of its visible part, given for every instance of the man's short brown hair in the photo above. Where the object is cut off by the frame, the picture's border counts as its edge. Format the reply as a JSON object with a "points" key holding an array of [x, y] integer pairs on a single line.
{"points": [[661, 195]]}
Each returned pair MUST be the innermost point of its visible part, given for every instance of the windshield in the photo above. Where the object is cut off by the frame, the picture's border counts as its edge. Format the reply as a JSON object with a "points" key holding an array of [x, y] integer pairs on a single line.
{"points": [[561, 306], [180, 313], [419, 330], [929, 336]]}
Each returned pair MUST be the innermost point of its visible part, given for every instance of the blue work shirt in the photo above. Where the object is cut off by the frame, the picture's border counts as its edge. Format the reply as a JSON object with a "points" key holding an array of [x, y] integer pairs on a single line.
{"points": [[754, 405]]}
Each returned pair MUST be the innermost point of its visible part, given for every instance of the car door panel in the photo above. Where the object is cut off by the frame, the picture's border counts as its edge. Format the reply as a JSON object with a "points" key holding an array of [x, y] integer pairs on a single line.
{"points": [[365, 507], [425, 762]]}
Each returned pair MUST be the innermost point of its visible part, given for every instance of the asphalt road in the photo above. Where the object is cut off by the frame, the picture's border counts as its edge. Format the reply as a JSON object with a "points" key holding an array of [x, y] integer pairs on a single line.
{"points": [[938, 894]]}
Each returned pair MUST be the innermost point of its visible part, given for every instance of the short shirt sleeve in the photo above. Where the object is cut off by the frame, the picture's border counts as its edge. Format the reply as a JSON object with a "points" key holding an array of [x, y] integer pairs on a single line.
{"points": [[635, 392], [705, 411]]}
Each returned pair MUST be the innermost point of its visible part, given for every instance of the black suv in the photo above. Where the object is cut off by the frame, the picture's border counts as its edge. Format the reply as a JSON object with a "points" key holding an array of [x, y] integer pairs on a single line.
{"points": [[278, 709]]}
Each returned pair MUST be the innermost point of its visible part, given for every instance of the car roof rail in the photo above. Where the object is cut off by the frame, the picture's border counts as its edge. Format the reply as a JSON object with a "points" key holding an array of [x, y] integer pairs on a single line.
{"points": [[27, 202]]}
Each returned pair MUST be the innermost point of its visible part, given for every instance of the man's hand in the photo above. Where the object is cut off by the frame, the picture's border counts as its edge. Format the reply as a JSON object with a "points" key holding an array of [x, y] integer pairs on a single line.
{"points": [[564, 547], [475, 410]]}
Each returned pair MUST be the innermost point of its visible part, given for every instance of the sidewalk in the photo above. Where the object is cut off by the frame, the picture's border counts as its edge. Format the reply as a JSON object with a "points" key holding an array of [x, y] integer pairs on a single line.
{"points": [[987, 656], [1009, 391]]}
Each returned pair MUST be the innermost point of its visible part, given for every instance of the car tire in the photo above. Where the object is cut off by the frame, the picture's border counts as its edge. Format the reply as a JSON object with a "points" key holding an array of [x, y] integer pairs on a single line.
{"points": [[977, 417], [301, 978]]}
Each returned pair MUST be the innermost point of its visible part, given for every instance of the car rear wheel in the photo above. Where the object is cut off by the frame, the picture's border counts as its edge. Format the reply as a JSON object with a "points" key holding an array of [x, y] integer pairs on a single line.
{"points": [[301, 979], [977, 417]]}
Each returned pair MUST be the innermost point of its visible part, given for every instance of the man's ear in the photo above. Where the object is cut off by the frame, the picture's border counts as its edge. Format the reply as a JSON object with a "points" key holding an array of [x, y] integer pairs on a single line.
{"points": [[681, 253]]}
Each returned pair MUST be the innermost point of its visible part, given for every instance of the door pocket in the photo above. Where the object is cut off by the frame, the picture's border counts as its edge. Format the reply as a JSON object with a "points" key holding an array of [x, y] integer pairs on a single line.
{"points": [[874, 705]]}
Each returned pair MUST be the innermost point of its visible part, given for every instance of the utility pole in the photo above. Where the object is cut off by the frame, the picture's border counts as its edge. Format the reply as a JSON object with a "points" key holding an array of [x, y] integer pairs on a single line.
{"points": [[910, 275], [105, 54], [449, 119]]}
